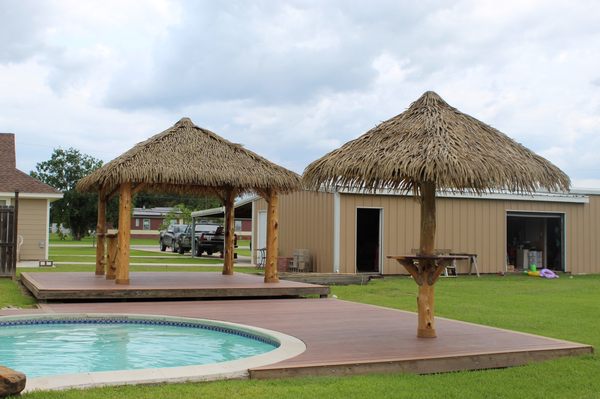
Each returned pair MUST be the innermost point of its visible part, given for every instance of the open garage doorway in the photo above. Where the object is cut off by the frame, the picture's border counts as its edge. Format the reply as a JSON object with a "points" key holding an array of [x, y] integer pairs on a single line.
{"points": [[368, 240], [535, 238]]}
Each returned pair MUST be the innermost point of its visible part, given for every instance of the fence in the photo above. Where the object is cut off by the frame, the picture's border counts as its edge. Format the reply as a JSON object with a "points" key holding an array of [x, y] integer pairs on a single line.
{"points": [[8, 241]]}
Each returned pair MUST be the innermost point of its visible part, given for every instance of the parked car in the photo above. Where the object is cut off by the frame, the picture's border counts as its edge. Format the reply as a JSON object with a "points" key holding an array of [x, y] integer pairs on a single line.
{"points": [[168, 238], [209, 238]]}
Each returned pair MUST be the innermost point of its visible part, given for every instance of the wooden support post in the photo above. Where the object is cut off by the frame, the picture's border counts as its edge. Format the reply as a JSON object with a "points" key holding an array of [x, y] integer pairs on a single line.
{"points": [[111, 256], [15, 233], [229, 199], [272, 238], [124, 233], [426, 296], [100, 235]]}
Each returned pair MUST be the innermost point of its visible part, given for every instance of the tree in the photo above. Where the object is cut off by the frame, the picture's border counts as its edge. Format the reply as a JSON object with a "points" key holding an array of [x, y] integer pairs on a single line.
{"points": [[151, 200], [179, 211], [77, 211]]}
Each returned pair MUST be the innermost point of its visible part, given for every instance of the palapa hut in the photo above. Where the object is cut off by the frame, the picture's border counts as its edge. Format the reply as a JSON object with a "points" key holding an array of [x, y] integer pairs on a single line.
{"points": [[186, 159], [433, 146]]}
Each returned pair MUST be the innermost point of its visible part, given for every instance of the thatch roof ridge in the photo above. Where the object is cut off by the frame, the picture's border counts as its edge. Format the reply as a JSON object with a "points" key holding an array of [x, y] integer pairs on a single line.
{"points": [[432, 141], [187, 158]]}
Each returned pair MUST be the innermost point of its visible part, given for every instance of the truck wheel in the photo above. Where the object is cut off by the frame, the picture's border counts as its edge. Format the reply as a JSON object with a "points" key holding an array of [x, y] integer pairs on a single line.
{"points": [[181, 250], [174, 247], [209, 252], [163, 247]]}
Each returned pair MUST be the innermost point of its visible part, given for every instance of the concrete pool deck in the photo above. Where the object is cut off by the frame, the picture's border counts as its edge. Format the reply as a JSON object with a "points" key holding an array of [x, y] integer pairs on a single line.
{"points": [[346, 338]]}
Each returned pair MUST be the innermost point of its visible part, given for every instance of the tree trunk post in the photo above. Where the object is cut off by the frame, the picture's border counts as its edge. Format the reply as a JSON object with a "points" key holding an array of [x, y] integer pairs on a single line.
{"points": [[100, 235], [124, 233], [228, 245], [111, 256], [425, 299], [272, 237]]}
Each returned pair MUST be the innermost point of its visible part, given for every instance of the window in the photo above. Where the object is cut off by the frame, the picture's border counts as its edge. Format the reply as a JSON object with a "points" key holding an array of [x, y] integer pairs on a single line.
{"points": [[137, 222], [146, 224], [2, 202], [238, 225]]}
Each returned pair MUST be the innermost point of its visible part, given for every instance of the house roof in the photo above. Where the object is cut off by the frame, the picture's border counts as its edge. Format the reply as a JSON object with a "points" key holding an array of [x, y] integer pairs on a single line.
{"points": [[153, 212], [243, 209], [11, 178]]}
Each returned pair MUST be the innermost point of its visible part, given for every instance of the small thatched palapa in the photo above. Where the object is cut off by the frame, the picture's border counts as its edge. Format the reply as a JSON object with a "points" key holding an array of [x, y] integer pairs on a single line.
{"points": [[432, 141], [433, 146], [187, 158]]}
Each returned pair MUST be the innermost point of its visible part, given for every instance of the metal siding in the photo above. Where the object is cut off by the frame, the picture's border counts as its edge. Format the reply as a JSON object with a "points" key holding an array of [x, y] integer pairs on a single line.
{"points": [[305, 221], [32, 226], [465, 225]]}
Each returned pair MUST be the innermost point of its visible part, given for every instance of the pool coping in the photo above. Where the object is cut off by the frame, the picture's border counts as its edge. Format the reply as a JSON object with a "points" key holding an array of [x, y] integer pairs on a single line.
{"points": [[289, 347]]}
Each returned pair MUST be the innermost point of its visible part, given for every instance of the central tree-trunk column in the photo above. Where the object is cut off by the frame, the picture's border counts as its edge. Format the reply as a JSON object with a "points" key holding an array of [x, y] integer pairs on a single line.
{"points": [[124, 233], [100, 235], [228, 245], [272, 238], [425, 299]]}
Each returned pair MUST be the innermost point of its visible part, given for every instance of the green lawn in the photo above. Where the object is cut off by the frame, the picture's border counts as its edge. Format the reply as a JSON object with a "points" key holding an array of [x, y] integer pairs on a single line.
{"points": [[568, 308], [54, 239], [87, 254], [133, 268], [11, 295], [57, 253]]}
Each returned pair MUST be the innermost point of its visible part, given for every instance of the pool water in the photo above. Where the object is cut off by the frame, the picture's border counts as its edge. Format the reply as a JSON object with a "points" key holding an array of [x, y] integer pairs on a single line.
{"points": [[79, 347]]}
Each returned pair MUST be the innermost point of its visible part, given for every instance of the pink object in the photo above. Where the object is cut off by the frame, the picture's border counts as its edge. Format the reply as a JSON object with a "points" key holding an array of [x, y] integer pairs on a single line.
{"points": [[547, 273]]}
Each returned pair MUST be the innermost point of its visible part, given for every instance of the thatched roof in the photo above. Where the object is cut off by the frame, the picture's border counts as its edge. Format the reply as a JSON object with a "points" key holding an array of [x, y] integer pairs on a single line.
{"points": [[188, 159], [432, 141]]}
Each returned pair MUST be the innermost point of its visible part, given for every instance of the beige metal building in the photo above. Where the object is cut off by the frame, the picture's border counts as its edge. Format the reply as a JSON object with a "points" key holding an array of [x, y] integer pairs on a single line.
{"points": [[349, 232], [34, 202]]}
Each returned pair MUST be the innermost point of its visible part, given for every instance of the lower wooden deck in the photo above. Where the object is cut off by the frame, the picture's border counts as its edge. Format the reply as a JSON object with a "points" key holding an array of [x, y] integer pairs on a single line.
{"points": [[161, 285], [349, 338]]}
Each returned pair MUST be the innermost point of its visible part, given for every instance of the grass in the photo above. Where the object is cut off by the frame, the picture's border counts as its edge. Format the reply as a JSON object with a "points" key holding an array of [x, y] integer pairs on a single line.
{"points": [[53, 239], [11, 295], [133, 268], [87, 254], [69, 253], [567, 308]]}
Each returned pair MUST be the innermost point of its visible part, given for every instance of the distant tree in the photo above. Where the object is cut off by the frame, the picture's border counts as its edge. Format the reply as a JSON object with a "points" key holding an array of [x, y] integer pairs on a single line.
{"points": [[76, 211], [196, 203], [179, 211]]}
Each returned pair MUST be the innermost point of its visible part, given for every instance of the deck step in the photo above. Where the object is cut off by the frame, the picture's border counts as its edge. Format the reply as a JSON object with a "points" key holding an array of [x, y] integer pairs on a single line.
{"points": [[326, 278]]}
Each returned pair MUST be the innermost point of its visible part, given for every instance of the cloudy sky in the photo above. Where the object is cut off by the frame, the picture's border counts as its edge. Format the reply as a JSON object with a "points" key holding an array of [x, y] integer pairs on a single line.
{"points": [[294, 80]]}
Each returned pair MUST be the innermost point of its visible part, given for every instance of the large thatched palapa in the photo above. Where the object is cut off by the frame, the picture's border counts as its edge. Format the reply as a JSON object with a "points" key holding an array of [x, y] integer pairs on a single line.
{"points": [[187, 159], [433, 146]]}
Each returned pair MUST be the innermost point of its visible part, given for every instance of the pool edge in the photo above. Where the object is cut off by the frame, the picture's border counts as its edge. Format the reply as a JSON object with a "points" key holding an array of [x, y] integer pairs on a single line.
{"points": [[289, 347]]}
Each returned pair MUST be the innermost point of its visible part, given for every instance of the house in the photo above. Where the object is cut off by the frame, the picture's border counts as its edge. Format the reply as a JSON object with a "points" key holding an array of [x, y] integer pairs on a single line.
{"points": [[34, 202], [146, 222], [242, 217], [354, 232]]}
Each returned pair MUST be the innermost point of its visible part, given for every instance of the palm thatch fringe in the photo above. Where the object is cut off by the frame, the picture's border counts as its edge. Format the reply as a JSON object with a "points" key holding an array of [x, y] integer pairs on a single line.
{"points": [[187, 159], [432, 141]]}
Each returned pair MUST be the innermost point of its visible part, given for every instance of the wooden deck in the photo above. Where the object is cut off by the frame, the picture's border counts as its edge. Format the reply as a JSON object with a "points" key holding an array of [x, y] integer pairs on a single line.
{"points": [[162, 285], [348, 338]]}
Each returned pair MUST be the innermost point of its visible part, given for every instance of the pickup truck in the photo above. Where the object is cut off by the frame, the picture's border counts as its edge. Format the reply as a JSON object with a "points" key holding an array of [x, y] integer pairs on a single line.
{"points": [[208, 238], [168, 238]]}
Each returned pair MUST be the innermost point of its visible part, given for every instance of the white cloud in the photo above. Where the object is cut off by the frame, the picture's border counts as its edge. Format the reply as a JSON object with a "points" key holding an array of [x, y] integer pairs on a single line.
{"points": [[293, 80]]}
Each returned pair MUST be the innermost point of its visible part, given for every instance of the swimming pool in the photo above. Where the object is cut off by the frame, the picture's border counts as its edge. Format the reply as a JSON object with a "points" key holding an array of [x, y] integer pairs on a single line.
{"points": [[147, 348]]}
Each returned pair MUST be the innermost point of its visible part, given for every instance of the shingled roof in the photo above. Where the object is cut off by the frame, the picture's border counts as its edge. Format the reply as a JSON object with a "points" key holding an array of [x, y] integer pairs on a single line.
{"points": [[11, 178]]}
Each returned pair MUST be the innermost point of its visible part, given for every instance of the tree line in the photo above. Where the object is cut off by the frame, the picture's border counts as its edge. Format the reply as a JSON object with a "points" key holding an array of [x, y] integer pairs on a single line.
{"points": [[78, 211]]}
